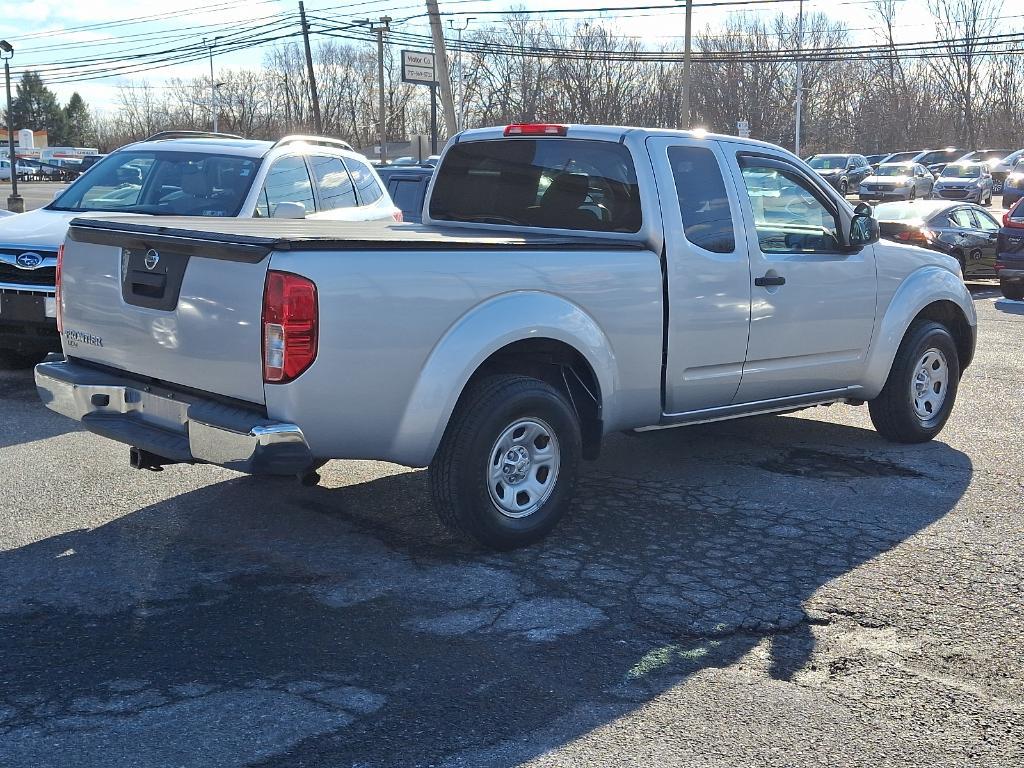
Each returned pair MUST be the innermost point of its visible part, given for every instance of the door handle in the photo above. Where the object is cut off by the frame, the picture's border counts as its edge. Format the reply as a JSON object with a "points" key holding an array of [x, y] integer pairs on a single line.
{"points": [[769, 280]]}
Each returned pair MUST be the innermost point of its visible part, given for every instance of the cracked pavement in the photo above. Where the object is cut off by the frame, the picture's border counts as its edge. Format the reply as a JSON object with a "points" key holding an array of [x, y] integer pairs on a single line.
{"points": [[786, 590]]}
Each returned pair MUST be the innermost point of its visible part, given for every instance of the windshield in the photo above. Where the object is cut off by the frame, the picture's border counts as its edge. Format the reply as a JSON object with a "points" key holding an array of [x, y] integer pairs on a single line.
{"points": [[894, 170], [897, 157], [988, 154], [828, 162], [938, 155], [962, 171], [162, 183], [553, 182]]}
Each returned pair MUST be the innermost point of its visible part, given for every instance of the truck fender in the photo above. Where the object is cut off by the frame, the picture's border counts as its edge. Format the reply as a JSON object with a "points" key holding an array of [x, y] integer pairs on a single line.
{"points": [[921, 288], [474, 337]]}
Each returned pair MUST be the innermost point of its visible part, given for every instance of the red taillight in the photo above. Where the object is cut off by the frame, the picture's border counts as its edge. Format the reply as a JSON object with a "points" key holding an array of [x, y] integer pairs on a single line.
{"points": [[56, 294], [536, 129], [1014, 217], [290, 321], [916, 235]]}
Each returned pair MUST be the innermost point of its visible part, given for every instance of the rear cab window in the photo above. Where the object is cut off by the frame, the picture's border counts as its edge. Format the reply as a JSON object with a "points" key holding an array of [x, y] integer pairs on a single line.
{"points": [[703, 201], [555, 183]]}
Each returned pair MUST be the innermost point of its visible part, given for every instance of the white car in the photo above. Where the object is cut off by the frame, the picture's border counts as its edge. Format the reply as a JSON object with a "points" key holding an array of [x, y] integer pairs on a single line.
{"points": [[179, 174]]}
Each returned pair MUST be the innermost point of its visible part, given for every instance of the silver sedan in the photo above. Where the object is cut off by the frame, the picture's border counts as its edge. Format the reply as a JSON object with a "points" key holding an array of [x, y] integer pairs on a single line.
{"points": [[897, 181]]}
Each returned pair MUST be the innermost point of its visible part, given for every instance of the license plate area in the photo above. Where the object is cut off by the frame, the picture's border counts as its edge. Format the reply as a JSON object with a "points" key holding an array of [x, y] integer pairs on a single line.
{"points": [[25, 308]]}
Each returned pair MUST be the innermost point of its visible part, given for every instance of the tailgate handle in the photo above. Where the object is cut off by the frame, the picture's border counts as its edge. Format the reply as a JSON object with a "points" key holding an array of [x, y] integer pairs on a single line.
{"points": [[147, 283]]}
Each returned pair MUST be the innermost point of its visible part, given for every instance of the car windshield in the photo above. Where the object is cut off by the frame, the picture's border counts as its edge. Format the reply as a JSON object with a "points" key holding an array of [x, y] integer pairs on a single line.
{"points": [[985, 155], [828, 162], [938, 155], [962, 171], [894, 170], [162, 183], [897, 157]]}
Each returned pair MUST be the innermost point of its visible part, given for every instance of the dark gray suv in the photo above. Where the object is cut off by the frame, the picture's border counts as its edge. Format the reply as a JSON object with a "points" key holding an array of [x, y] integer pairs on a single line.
{"points": [[844, 172]]}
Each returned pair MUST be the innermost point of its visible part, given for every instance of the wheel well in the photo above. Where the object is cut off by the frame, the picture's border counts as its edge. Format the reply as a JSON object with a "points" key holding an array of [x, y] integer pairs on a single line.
{"points": [[564, 368], [951, 316]]}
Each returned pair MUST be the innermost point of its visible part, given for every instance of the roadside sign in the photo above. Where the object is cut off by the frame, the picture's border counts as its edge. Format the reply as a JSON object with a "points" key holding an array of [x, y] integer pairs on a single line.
{"points": [[743, 129], [418, 67]]}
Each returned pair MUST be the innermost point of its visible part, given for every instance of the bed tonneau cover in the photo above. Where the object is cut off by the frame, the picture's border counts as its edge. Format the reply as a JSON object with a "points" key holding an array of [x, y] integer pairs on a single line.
{"points": [[253, 239]]}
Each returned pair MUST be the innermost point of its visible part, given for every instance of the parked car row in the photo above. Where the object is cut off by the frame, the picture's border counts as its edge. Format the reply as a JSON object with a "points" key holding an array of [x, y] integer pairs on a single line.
{"points": [[845, 171]]}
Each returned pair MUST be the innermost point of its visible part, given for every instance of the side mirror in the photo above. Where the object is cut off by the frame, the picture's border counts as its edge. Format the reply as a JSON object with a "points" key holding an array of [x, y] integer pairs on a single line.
{"points": [[863, 227], [288, 210]]}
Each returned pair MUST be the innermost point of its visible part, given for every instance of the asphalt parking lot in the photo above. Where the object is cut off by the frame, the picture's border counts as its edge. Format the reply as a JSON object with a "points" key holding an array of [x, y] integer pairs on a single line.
{"points": [[36, 193], [783, 591]]}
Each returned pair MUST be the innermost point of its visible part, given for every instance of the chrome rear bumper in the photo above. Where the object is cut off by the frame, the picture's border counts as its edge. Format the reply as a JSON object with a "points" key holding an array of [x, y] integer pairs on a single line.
{"points": [[176, 426]]}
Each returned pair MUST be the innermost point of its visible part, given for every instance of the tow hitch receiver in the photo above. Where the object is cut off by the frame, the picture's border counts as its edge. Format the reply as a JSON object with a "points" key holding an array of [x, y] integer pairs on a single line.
{"points": [[140, 458]]}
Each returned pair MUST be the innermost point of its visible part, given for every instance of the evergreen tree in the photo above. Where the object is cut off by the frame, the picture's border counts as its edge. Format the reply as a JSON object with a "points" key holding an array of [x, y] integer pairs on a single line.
{"points": [[35, 106], [77, 122]]}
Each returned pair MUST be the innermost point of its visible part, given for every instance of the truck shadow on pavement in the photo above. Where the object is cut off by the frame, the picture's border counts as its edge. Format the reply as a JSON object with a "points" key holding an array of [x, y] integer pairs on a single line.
{"points": [[254, 622]]}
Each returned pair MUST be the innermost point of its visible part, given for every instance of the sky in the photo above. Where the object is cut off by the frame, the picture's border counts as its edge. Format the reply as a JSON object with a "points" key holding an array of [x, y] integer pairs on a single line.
{"points": [[57, 32]]}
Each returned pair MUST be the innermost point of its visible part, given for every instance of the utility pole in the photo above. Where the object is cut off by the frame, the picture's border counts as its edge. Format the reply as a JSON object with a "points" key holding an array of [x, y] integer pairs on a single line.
{"points": [[287, 105], [213, 85], [380, 27], [441, 63], [687, 52], [799, 78], [313, 95], [460, 77], [15, 203]]}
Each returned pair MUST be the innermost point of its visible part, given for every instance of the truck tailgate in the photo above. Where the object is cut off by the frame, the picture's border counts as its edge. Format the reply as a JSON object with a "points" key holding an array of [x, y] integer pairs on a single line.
{"points": [[180, 310]]}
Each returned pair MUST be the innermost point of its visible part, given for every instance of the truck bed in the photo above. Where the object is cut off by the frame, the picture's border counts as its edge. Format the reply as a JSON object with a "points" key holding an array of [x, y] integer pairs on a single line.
{"points": [[252, 239]]}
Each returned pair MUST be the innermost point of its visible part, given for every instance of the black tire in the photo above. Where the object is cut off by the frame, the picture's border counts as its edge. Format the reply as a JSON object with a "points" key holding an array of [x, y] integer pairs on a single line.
{"points": [[913, 193], [1012, 291], [893, 412], [844, 187], [459, 473]]}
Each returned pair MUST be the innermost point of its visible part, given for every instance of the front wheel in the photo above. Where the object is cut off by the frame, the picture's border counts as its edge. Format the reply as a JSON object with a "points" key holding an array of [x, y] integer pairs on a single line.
{"points": [[918, 396], [505, 471], [844, 187]]}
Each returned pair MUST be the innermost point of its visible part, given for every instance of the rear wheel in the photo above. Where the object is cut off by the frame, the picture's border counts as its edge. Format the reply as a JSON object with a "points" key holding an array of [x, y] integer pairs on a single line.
{"points": [[918, 396], [506, 469], [1012, 291]]}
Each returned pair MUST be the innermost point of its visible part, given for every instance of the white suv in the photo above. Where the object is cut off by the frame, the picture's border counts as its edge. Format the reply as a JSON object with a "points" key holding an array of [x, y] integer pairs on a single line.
{"points": [[179, 173]]}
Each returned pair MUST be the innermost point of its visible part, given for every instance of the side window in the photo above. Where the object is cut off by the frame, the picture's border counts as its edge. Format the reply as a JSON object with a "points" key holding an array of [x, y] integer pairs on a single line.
{"points": [[961, 217], [986, 222], [407, 195], [788, 216], [336, 190], [703, 202], [287, 182], [369, 189]]}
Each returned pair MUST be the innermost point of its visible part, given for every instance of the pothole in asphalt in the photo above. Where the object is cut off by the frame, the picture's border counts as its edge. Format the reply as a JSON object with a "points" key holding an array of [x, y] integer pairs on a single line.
{"points": [[803, 462]]}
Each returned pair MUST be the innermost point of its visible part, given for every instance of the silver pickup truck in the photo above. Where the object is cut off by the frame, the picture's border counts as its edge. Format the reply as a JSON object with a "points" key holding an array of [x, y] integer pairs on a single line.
{"points": [[567, 282]]}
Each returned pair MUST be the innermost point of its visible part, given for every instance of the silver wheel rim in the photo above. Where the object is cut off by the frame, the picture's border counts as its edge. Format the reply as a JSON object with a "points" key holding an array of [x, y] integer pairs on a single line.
{"points": [[522, 467], [929, 384]]}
